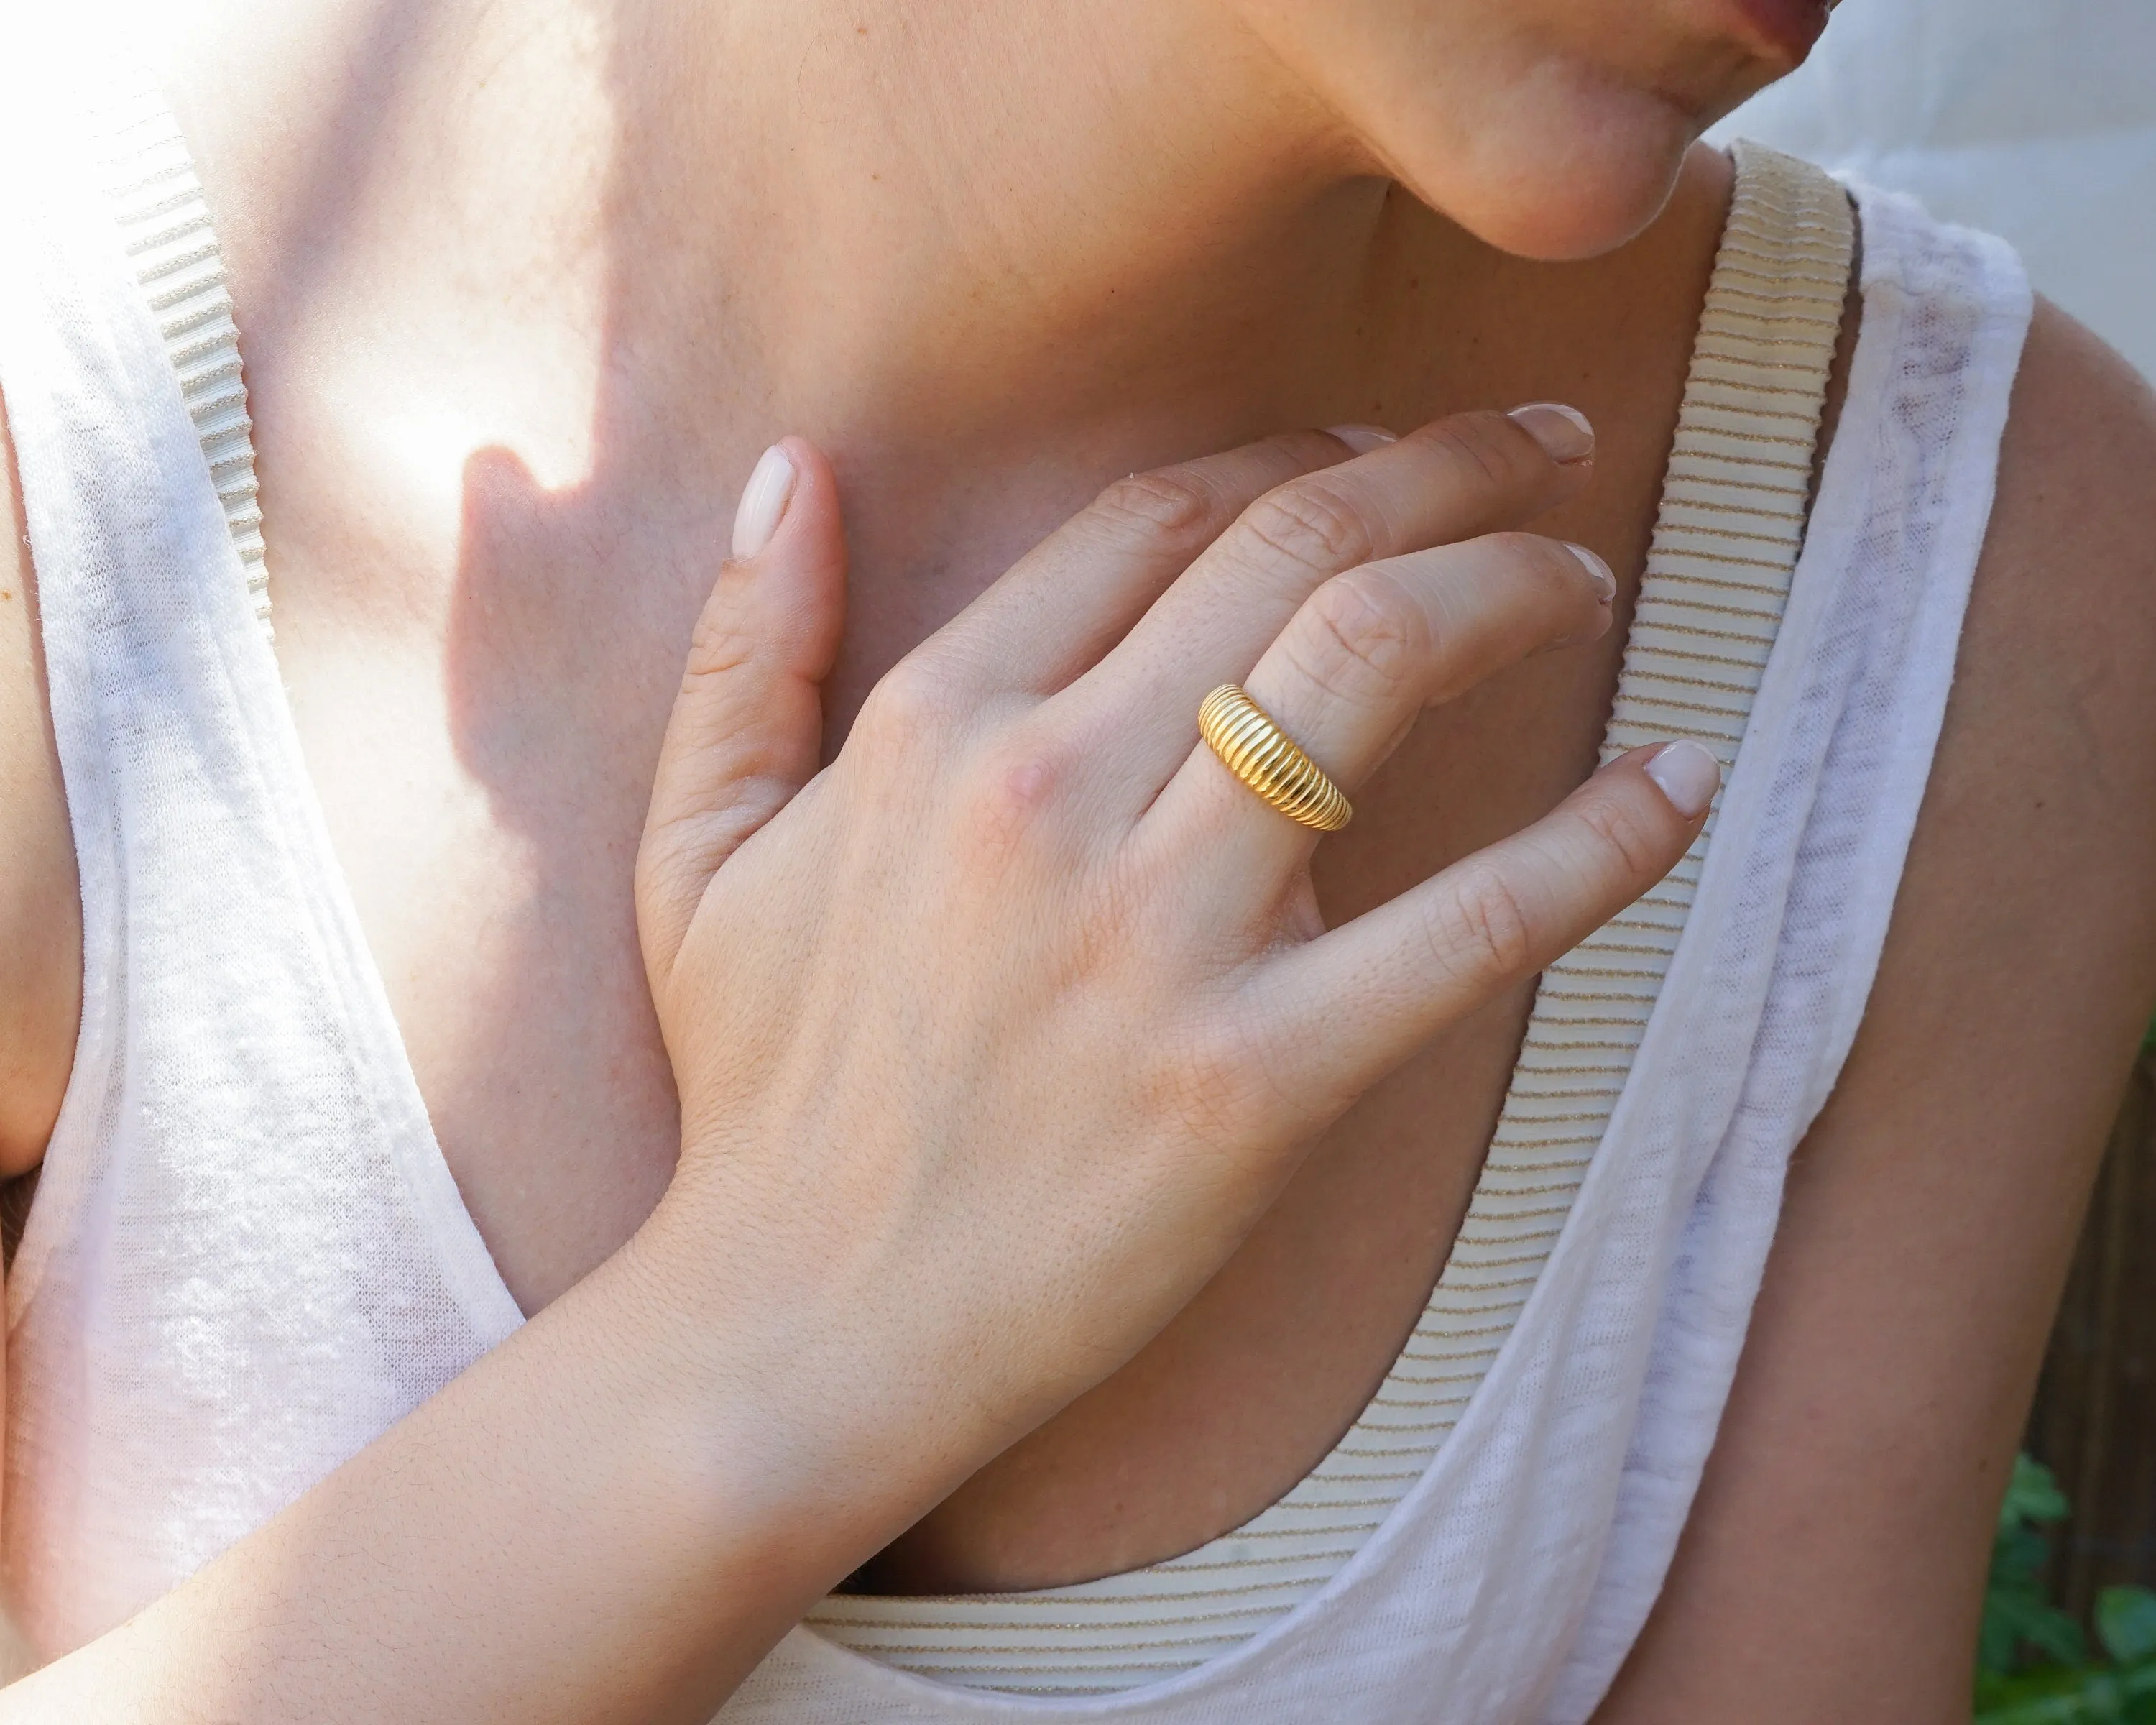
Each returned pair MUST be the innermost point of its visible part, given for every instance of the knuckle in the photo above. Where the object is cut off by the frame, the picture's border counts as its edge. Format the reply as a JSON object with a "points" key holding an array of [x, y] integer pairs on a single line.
{"points": [[718, 644], [1629, 840], [1364, 635], [1311, 526], [1174, 504], [1488, 448], [1483, 928], [1012, 789], [913, 700]]}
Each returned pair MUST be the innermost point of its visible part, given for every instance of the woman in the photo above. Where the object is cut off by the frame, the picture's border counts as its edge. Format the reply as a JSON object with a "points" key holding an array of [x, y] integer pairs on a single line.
{"points": [[1036, 1207]]}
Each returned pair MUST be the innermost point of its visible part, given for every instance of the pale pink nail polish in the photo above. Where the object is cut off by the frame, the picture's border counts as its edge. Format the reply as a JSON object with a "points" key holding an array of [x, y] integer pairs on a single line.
{"points": [[1362, 438], [1688, 775], [763, 501], [1598, 571], [1564, 433]]}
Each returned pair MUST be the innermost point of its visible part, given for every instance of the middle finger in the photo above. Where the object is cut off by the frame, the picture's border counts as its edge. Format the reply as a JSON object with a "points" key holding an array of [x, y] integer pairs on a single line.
{"points": [[1367, 653]]}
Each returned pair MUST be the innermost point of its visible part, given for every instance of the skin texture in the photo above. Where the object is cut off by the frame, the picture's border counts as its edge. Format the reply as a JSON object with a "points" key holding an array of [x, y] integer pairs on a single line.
{"points": [[480, 616]]}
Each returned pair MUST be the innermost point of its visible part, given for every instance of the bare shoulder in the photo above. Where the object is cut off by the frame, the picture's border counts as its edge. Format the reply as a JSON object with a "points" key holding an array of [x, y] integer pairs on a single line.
{"points": [[2034, 865], [2063, 619], [40, 914], [1833, 1564]]}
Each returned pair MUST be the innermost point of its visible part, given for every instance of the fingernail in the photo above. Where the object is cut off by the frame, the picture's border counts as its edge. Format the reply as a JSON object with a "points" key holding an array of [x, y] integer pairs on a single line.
{"points": [[1562, 432], [763, 502], [1362, 438], [1598, 571], [1688, 775]]}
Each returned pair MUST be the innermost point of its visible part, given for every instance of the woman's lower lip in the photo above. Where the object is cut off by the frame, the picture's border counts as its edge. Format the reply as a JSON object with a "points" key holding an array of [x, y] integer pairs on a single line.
{"points": [[1790, 26]]}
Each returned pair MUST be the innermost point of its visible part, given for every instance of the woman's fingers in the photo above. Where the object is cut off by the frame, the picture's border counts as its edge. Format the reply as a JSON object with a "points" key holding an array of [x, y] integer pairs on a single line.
{"points": [[748, 725], [1077, 594], [1368, 652], [1462, 477], [1323, 1021]]}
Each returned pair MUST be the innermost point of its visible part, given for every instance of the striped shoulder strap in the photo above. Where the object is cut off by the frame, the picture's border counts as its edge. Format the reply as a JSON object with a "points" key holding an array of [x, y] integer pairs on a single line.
{"points": [[1734, 503], [165, 227]]}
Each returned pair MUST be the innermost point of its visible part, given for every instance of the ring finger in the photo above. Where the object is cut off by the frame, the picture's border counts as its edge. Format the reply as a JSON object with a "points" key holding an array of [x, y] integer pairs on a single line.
{"points": [[1366, 653]]}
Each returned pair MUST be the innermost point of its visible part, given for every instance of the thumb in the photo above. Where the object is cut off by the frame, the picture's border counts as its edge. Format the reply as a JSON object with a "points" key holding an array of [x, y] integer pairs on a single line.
{"points": [[748, 725]]}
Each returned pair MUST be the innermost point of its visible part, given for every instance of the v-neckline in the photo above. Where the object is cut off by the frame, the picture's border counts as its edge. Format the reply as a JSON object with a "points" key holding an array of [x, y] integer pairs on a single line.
{"points": [[176, 211]]}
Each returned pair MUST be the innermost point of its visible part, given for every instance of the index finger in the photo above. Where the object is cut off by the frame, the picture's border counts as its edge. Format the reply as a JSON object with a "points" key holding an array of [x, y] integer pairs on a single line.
{"points": [[1077, 594]]}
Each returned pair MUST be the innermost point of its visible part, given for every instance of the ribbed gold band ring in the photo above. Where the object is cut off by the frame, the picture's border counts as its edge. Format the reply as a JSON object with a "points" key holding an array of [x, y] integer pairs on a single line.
{"points": [[1266, 759]]}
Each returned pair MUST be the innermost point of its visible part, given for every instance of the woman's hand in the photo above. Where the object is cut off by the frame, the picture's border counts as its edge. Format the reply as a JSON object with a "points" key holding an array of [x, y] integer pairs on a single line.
{"points": [[992, 1039], [995, 1036]]}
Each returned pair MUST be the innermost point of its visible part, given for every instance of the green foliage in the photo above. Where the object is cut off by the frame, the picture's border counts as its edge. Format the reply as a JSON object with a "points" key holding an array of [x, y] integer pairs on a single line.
{"points": [[2032, 1664], [2017, 1615], [2126, 1624]]}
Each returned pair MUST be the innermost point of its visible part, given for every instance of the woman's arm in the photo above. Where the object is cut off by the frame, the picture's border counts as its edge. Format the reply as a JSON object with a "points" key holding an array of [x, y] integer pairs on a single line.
{"points": [[40, 921], [992, 1039], [613, 1515], [1833, 1565]]}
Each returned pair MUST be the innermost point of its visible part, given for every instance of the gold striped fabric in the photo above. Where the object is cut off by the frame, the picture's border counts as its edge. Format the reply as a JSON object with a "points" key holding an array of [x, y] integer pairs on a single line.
{"points": [[165, 226], [1725, 544]]}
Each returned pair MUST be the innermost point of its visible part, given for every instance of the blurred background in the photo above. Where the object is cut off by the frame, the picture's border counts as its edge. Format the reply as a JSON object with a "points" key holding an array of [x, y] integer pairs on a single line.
{"points": [[2037, 119]]}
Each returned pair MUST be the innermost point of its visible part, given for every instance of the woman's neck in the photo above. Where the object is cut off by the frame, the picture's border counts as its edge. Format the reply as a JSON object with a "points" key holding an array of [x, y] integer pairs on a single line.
{"points": [[967, 214], [985, 255], [970, 223]]}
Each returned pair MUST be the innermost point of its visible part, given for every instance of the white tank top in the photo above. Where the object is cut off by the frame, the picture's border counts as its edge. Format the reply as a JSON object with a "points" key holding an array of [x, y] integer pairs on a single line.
{"points": [[247, 1256]]}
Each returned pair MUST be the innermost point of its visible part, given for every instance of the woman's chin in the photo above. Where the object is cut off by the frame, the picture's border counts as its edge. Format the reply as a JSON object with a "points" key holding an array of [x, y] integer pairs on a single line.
{"points": [[1579, 213], [1568, 192]]}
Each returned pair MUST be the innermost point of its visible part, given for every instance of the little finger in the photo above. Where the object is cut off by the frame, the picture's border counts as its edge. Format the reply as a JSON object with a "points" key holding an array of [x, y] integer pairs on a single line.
{"points": [[1328, 1019]]}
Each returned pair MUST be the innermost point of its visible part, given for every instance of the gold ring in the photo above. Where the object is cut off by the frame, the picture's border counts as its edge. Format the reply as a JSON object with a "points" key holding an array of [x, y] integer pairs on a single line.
{"points": [[1266, 759]]}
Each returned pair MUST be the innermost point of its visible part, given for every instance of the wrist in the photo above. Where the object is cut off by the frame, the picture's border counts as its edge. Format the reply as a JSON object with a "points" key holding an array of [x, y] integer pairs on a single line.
{"points": [[785, 1412]]}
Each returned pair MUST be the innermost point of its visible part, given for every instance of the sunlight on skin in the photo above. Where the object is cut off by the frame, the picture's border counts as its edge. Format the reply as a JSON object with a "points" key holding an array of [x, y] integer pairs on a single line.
{"points": [[523, 305], [443, 382]]}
